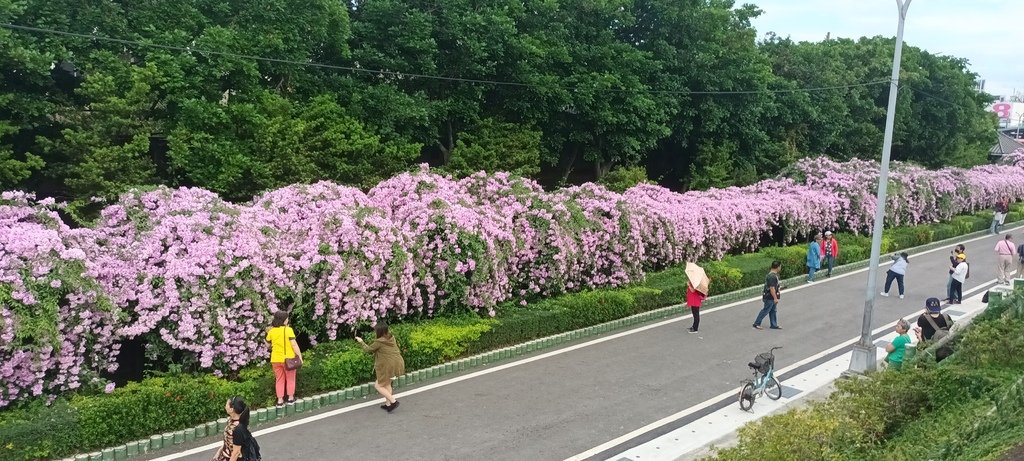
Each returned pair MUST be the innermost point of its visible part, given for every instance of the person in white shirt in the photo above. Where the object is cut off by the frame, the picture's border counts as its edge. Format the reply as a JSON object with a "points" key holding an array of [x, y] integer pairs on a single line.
{"points": [[896, 272], [959, 277]]}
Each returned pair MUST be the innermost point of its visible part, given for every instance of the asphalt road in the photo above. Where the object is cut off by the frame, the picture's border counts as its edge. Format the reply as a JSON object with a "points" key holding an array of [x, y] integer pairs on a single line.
{"points": [[562, 405]]}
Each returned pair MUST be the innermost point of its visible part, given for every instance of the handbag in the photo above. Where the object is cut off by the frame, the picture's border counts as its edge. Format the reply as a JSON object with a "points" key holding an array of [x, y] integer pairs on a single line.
{"points": [[292, 363]]}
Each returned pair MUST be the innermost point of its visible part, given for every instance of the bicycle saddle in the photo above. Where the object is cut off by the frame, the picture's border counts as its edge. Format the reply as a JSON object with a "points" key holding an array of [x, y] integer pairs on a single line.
{"points": [[752, 365]]}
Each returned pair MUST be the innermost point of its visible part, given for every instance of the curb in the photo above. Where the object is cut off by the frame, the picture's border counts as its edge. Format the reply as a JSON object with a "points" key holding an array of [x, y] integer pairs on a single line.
{"points": [[263, 416]]}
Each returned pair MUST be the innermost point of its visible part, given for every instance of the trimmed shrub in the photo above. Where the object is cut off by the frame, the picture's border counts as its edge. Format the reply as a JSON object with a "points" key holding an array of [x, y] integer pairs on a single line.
{"points": [[724, 278], [794, 261], [943, 231], [853, 253], [326, 371], [752, 266], [438, 341]]}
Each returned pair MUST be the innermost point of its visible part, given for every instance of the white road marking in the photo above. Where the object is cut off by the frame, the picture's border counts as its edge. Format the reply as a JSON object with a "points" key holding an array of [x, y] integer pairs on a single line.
{"points": [[359, 406]]}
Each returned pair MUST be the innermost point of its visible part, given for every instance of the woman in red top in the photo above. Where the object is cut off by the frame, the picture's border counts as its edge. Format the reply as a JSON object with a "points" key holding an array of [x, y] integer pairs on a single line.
{"points": [[693, 299]]}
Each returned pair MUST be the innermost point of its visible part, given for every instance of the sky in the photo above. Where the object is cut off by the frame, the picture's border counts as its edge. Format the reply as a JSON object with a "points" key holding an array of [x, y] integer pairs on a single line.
{"points": [[988, 33]]}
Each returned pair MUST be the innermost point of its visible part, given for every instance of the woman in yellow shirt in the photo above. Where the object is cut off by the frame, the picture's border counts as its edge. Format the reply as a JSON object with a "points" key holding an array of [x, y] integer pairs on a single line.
{"points": [[283, 347]]}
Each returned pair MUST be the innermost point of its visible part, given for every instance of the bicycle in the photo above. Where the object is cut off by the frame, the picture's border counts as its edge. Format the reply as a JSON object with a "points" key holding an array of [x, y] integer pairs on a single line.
{"points": [[763, 383]]}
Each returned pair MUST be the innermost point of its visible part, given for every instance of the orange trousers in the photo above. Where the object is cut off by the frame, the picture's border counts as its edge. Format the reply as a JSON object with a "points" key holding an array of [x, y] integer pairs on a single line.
{"points": [[283, 379]]}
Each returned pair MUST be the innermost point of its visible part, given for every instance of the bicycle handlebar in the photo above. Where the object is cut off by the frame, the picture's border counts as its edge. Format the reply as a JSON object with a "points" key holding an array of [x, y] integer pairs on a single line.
{"points": [[773, 349]]}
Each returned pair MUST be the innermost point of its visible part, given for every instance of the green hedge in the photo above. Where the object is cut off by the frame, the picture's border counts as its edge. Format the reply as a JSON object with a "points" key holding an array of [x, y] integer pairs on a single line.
{"points": [[86, 422]]}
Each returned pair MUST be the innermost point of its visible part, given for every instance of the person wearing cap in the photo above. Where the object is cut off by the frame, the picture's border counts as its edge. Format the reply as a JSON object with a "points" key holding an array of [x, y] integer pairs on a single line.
{"points": [[898, 347], [953, 261], [932, 318], [830, 250], [1005, 251], [956, 288], [813, 257]]}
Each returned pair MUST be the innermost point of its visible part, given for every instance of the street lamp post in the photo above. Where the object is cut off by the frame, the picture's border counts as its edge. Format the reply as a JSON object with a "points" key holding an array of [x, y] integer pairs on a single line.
{"points": [[864, 358]]}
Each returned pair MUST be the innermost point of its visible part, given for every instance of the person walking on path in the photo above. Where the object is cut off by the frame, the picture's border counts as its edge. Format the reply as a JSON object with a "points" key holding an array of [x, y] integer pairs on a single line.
{"points": [[387, 363], [239, 444], [830, 248], [694, 299], [999, 217], [285, 356], [1006, 250], [960, 271], [898, 347], [953, 261], [896, 272], [771, 296], [813, 258]]}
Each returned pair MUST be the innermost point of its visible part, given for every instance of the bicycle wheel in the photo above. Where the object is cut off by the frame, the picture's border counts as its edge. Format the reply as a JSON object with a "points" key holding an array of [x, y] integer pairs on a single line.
{"points": [[747, 397], [773, 390]]}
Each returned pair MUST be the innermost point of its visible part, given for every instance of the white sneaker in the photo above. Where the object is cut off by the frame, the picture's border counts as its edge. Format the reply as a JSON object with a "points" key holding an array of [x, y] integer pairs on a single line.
{"points": [[884, 294], [901, 296]]}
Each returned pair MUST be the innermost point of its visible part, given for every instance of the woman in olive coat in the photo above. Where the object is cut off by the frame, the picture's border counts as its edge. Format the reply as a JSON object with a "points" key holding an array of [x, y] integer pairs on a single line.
{"points": [[387, 363]]}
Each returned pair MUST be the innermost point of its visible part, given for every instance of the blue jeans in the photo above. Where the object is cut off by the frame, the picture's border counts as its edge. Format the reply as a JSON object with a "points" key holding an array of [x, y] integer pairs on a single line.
{"points": [[769, 310], [949, 287], [810, 273], [830, 261]]}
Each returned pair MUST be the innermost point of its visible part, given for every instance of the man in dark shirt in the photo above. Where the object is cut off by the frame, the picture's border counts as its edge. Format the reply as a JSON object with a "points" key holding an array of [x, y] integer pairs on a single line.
{"points": [[925, 329], [770, 296]]}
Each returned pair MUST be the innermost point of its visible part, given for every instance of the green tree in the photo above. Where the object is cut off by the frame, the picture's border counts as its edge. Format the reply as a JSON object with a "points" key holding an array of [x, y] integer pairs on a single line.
{"points": [[242, 148], [713, 166], [24, 82], [497, 146], [598, 111], [621, 178], [103, 148], [707, 46]]}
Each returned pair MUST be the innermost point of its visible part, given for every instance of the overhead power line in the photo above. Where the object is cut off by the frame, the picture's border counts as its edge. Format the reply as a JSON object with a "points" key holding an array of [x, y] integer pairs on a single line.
{"points": [[381, 72]]}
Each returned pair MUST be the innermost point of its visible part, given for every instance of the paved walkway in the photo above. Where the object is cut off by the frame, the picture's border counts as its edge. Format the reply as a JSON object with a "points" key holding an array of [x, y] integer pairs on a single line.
{"points": [[588, 400]]}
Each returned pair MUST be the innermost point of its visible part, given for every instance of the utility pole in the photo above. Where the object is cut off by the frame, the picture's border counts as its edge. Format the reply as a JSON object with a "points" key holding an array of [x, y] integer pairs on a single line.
{"points": [[864, 355]]}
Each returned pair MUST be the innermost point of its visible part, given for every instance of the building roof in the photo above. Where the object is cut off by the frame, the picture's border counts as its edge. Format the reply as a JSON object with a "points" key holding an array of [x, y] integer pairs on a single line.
{"points": [[1006, 145]]}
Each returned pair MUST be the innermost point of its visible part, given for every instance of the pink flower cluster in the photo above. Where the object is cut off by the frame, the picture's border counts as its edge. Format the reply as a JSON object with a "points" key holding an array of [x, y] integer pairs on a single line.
{"points": [[57, 329], [915, 195], [198, 277]]}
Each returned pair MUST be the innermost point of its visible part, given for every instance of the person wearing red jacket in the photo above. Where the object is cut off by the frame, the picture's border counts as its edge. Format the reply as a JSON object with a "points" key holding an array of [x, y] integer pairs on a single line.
{"points": [[829, 251], [694, 299]]}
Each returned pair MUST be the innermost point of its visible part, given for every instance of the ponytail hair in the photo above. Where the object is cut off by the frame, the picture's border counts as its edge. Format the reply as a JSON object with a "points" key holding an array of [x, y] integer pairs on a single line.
{"points": [[239, 406]]}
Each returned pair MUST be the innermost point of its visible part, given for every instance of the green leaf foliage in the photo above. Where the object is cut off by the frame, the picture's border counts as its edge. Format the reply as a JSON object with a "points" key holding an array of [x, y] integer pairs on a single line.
{"points": [[563, 92]]}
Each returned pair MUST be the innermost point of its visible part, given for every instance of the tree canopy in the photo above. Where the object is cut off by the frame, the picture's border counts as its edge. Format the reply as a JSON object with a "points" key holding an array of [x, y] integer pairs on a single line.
{"points": [[564, 91]]}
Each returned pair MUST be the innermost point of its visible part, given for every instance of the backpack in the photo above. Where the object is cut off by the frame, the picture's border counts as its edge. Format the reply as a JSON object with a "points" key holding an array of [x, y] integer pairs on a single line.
{"points": [[939, 332], [250, 449]]}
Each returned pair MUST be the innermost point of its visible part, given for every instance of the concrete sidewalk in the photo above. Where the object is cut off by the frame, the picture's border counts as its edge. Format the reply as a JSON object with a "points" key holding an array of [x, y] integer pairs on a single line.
{"points": [[590, 400]]}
